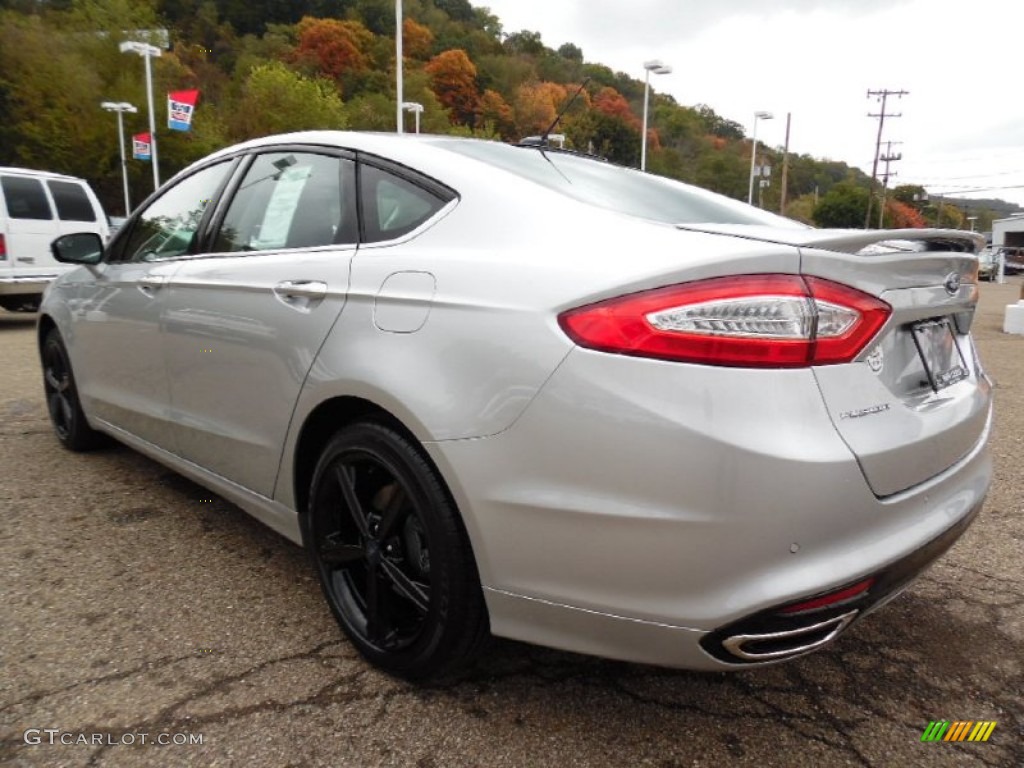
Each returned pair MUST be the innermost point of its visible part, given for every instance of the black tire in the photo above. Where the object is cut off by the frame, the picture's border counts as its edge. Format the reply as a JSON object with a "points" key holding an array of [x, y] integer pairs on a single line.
{"points": [[392, 555], [65, 410]]}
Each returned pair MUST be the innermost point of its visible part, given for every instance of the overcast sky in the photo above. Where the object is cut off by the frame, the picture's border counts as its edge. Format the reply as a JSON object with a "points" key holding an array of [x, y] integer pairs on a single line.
{"points": [[962, 62]]}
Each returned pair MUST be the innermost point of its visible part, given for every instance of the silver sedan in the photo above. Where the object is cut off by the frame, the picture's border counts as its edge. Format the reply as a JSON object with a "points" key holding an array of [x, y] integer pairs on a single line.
{"points": [[520, 391]]}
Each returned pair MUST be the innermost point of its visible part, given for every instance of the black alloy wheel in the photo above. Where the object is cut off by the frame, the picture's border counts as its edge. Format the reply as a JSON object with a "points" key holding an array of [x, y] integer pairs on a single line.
{"points": [[62, 402], [393, 558]]}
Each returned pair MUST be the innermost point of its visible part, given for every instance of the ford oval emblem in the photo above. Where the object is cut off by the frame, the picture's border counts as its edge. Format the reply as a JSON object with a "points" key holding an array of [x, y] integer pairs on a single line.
{"points": [[952, 284]]}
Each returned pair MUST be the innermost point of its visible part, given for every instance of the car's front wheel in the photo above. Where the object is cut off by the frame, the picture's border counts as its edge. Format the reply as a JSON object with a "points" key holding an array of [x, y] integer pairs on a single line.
{"points": [[392, 555], [62, 402]]}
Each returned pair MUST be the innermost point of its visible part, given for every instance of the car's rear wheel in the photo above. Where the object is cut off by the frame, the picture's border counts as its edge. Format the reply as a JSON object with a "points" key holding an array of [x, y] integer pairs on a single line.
{"points": [[62, 402], [392, 555]]}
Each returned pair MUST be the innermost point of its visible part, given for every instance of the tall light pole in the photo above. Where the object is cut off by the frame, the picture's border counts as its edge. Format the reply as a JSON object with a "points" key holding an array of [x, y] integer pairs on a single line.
{"points": [[753, 152], [120, 107], [147, 52], [416, 108], [658, 68], [398, 62]]}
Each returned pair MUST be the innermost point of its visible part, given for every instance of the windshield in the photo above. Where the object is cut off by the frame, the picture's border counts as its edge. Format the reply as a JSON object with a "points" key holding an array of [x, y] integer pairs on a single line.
{"points": [[617, 188]]}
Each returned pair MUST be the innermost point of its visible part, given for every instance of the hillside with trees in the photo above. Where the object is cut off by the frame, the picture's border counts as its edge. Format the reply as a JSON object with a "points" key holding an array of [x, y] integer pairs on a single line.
{"points": [[263, 66]]}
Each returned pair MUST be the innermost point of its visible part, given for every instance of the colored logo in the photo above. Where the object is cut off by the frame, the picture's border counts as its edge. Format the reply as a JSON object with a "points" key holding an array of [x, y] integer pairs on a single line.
{"points": [[181, 105], [958, 730], [142, 146]]}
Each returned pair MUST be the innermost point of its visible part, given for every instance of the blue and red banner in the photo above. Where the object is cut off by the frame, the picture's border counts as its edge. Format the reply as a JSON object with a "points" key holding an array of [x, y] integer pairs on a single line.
{"points": [[142, 146], [180, 107]]}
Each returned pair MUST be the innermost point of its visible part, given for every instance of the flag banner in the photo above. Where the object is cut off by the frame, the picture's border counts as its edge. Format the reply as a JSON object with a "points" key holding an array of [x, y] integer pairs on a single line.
{"points": [[180, 107], [142, 146]]}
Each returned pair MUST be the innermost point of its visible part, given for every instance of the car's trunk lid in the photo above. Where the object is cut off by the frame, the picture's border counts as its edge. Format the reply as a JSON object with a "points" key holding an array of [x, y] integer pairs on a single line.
{"points": [[916, 401]]}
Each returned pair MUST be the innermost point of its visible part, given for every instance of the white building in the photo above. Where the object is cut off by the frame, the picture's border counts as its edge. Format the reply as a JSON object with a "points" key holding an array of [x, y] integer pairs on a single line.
{"points": [[1009, 232]]}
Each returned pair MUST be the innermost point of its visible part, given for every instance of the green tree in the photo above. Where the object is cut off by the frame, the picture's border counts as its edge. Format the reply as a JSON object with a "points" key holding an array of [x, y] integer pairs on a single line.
{"points": [[609, 136], [845, 206], [276, 99], [571, 52]]}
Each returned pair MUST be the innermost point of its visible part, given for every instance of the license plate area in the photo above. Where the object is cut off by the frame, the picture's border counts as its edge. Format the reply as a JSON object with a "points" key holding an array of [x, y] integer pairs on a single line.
{"points": [[940, 355]]}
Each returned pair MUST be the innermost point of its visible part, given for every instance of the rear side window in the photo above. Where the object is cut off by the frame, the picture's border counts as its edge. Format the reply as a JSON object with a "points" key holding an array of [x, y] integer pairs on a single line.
{"points": [[72, 202], [392, 205], [25, 198]]}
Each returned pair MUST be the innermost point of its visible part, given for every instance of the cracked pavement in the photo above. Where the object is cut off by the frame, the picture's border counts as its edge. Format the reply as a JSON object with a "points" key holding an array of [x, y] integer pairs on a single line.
{"points": [[136, 602]]}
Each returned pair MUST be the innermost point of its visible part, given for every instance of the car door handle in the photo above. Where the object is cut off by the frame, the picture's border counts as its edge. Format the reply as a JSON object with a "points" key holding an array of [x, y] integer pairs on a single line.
{"points": [[148, 284], [301, 289]]}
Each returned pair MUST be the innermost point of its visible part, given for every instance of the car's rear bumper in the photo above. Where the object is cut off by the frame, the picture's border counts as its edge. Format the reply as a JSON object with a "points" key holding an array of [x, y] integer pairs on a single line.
{"points": [[632, 510]]}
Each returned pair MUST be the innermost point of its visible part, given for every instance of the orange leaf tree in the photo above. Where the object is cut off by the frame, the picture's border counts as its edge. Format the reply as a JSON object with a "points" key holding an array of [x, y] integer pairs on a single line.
{"points": [[333, 48], [614, 104], [453, 80], [535, 106], [417, 40], [902, 216], [496, 113]]}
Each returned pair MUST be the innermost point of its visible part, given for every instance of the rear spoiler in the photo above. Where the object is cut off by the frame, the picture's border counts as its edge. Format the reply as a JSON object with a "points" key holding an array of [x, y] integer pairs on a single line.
{"points": [[862, 241]]}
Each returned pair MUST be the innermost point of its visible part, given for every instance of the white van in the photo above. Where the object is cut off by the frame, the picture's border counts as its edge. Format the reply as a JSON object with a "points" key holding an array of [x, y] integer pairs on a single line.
{"points": [[37, 207]]}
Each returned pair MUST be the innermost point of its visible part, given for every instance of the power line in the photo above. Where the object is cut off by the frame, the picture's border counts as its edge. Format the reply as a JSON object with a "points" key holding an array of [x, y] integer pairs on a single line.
{"points": [[934, 179]]}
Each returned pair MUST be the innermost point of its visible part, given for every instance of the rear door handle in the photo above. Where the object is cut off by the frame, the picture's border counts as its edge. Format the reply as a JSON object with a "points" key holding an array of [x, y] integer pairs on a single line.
{"points": [[301, 289]]}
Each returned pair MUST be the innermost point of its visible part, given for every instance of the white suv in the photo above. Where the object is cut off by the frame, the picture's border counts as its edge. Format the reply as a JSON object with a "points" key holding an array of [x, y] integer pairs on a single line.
{"points": [[35, 208]]}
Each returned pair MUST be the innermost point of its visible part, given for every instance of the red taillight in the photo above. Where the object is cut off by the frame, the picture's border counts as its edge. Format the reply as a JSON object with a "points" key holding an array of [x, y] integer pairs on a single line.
{"points": [[3, 249], [823, 601], [762, 321]]}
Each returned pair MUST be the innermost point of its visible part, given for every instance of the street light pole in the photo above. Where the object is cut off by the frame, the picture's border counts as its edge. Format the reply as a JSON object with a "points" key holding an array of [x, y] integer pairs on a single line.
{"points": [[416, 108], [753, 153], [398, 61], [120, 107], [147, 52], [658, 68]]}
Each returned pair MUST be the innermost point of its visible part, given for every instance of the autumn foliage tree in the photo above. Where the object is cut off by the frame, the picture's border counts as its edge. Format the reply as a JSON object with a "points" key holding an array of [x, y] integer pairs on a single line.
{"points": [[902, 216], [333, 48], [536, 105], [417, 40], [614, 104], [496, 113], [453, 80]]}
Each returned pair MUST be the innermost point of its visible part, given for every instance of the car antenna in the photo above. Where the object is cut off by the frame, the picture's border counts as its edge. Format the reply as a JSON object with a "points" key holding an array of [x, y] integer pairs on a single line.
{"points": [[542, 140]]}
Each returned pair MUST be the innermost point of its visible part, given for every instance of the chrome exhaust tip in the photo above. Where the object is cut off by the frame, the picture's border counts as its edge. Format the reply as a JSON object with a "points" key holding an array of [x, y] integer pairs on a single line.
{"points": [[774, 646]]}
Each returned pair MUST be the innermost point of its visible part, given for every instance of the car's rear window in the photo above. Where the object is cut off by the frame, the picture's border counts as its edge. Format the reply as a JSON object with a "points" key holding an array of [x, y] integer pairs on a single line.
{"points": [[72, 202], [25, 198], [615, 187]]}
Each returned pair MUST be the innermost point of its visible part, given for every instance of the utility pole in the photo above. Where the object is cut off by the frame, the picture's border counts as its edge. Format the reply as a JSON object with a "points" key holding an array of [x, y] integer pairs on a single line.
{"points": [[883, 97], [887, 158], [785, 166]]}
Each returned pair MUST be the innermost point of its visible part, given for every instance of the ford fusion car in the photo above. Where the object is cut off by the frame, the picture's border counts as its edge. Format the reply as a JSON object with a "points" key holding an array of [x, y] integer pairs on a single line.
{"points": [[516, 391]]}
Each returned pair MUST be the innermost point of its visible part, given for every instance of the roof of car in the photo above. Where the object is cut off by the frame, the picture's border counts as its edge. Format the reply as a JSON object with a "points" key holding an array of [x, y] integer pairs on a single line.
{"points": [[33, 172]]}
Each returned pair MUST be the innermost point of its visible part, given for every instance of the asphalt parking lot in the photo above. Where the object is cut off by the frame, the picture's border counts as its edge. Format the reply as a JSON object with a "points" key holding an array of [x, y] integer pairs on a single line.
{"points": [[134, 602]]}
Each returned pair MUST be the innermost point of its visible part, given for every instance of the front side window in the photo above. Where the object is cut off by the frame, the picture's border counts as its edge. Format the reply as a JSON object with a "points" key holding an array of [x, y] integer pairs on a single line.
{"points": [[72, 202], [25, 198], [393, 206], [291, 200], [166, 229]]}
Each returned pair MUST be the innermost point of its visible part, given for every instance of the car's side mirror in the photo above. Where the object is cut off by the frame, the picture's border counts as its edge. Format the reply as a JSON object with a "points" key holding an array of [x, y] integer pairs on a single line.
{"points": [[79, 248]]}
